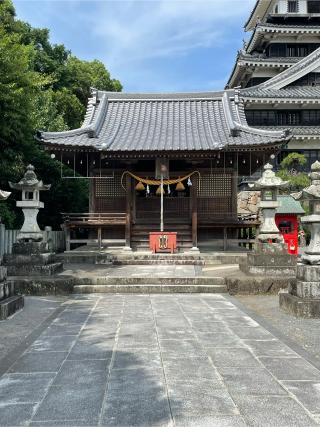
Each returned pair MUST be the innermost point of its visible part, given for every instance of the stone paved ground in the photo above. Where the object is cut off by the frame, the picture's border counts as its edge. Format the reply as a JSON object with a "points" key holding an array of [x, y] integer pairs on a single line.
{"points": [[160, 360], [16, 330], [304, 332]]}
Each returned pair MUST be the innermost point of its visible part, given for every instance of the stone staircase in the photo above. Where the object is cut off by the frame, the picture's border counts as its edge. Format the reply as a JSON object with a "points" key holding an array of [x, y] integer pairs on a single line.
{"points": [[142, 285]]}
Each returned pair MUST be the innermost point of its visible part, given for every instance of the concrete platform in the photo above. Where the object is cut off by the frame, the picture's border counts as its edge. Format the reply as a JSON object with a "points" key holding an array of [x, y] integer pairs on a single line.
{"points": [[158, 360], [10, 305], [307, 308]]}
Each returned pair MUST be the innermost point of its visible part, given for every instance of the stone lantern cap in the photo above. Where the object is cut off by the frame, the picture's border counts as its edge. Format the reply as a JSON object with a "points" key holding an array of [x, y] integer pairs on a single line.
{"points": [[30, 182], [4, 195], [269, 180], [313, 191]]}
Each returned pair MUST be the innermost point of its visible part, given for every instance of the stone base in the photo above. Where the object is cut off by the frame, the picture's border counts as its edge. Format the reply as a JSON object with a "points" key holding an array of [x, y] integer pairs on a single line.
{"points": [[35, 270], [10, 305], [307, 308], [31, 258], [254, 285], [6, 290], [61, 285], [29, 248], [269, 264]]}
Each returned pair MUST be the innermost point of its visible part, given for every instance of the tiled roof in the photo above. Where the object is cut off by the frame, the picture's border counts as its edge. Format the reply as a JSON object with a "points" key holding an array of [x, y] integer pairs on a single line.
{"points": [[265, 28], [288, 205], [296, 131], [304, 66], [118, 122], [263, 59], [245, 61], [260, 9], [293, 92]]}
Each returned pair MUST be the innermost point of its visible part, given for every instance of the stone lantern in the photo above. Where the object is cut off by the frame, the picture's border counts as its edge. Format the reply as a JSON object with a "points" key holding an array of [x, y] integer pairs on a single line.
{"points": [[270, 256], [30, 254], [30, 187], [303, 298], [312, 194], [269, 185]]}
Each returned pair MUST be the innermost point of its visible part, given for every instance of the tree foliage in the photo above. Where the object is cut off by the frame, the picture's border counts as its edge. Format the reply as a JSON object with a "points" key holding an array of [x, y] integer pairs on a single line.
{"points": [[292, 170], [42, 87]]}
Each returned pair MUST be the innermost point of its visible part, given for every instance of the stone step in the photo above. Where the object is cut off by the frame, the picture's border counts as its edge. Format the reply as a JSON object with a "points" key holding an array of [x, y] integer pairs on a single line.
{"points": [[146, 288], [156, 280], [162, 261]]}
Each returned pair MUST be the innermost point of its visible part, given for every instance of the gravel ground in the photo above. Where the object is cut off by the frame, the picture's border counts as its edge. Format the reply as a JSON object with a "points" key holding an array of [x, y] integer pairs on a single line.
{"points": [[304, 332]]}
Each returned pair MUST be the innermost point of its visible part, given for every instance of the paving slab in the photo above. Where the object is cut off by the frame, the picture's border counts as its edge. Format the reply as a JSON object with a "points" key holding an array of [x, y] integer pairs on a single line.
{"points": [[149, 360], [273, 411]]}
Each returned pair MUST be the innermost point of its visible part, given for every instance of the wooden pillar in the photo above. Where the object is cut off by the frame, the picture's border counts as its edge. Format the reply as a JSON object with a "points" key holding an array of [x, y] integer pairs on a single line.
{"points": [[128, 210], [194, 212]]}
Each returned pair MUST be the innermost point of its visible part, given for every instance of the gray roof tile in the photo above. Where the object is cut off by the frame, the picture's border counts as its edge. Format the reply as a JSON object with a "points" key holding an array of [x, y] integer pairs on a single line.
{"points": [[117, 122], [289, 92]]}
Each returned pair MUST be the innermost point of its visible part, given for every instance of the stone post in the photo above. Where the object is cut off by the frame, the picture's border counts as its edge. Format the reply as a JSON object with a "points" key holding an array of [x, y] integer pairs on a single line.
{"points": [[9, 302], [270, 255], [303, 299]]}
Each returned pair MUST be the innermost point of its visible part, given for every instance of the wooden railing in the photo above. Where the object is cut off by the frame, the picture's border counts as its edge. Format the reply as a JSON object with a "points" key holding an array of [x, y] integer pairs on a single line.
{"points": [[94, 219]]}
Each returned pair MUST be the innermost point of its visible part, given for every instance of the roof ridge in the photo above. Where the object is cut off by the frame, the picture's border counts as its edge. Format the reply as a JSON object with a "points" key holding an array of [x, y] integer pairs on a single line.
{"points": [[183, 96]]}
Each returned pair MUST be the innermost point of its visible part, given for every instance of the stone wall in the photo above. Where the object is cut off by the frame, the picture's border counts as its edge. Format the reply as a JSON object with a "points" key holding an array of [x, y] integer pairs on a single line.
{"points": [[248, 203]]}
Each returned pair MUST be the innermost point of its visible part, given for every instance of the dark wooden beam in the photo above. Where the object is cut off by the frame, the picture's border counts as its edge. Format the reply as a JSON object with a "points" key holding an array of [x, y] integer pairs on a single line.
{"points": [[128, 210]]}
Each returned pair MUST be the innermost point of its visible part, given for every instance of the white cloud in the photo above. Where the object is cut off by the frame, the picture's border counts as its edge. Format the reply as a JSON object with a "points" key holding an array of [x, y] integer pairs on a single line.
{"points": [[135, 30], [147, 43]]}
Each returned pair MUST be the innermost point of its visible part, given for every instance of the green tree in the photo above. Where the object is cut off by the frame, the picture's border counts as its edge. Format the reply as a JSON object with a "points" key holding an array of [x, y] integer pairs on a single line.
{"points": [[292, 171], [42, 86]]}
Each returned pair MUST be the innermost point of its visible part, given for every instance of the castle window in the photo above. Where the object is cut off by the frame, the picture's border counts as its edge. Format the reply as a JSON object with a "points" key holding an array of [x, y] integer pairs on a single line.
{"points": [[314, 6], [292, 6]]}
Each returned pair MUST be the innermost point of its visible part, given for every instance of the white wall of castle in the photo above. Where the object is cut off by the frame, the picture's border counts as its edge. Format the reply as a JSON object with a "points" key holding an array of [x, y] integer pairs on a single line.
{"points": [[283, 7]]}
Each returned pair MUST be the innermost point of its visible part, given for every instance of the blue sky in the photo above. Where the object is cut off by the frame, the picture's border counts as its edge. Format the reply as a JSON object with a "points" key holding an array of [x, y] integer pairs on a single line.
{"points": [[149, 45]]}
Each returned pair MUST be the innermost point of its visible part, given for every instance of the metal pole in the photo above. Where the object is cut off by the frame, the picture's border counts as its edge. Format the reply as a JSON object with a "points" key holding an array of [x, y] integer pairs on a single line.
{"points": [[161, 214]]}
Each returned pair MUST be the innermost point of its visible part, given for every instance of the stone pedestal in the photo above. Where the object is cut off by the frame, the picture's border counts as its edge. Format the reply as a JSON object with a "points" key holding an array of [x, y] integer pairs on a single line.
{"points": [[303, 298], [9, 302], [269, 260], [31, 259]]}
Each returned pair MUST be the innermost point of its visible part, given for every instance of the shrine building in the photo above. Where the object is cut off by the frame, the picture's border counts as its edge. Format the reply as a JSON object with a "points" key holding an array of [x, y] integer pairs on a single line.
{"points": [[202, 142]]}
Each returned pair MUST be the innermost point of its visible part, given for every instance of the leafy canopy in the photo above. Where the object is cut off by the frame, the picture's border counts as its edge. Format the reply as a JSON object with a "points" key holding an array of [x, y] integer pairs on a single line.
{"points": [[292, 170], [42, 87]]}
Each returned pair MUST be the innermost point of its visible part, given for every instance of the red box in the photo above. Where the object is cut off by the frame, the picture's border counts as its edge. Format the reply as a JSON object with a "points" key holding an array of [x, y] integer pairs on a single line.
{"points": [[161, 241], [289, 228]]}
